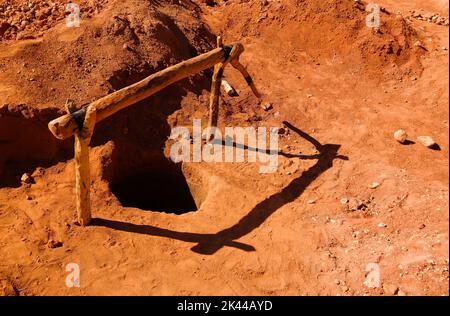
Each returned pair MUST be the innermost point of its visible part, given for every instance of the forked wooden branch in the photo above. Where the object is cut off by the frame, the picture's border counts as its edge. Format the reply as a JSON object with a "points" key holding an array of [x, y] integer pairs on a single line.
{"points": [[82, 168]]}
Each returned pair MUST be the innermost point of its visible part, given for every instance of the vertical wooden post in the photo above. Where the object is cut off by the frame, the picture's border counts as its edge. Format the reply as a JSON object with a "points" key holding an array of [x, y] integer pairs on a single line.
{"points": [[215, 93], [82, 168]]}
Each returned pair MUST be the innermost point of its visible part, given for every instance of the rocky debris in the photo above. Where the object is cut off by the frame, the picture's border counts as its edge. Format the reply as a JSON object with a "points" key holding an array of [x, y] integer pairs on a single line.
{"points": [[400, 136], [27, 19], [358, 205], [382, 225], [428, 17], [427, 141]]}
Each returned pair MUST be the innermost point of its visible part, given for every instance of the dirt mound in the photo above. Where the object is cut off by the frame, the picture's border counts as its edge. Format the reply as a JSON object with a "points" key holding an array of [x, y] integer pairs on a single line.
{"points": [[328, 32], [124, 43]]}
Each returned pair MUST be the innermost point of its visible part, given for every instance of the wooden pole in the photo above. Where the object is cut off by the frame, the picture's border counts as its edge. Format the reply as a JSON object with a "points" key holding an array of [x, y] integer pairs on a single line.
{"points": [[65, 126], [237, 65], [82, 167], [215, 93]]}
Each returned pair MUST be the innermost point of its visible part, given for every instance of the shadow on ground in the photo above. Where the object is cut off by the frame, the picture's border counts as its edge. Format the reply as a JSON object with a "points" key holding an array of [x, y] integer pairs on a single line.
{"points": [[208, 244]]}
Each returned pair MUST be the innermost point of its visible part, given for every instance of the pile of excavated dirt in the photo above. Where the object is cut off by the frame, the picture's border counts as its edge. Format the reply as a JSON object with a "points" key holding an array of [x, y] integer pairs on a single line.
{"points": [[328, 31], [123, 44]]}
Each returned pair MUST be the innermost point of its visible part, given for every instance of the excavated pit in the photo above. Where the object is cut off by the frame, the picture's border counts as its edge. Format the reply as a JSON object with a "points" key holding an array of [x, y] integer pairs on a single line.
{"points": [[159, 187]]}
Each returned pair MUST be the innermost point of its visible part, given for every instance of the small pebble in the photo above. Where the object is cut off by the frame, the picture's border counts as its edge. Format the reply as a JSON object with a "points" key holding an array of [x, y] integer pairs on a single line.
{"points": [[427, 141], [374, 185], [266, 106], [400, 136]]}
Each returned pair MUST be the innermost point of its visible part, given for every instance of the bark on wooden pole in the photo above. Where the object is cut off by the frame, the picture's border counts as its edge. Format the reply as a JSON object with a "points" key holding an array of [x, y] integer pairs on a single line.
{"points": [[82, 167], [215, 93]]}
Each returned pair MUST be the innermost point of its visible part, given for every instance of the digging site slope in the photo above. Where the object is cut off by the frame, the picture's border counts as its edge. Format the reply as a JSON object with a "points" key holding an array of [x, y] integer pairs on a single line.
{"points": [[160, 228]]}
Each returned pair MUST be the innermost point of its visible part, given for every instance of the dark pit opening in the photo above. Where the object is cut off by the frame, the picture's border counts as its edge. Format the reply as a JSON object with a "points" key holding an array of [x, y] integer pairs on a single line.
{"points": [[160, 188]]}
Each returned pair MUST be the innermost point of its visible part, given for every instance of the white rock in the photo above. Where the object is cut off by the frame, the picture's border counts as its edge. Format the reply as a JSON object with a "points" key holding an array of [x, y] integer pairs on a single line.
{"points": [[374, 185], [427, 141], [400, 136], [26, 178]]}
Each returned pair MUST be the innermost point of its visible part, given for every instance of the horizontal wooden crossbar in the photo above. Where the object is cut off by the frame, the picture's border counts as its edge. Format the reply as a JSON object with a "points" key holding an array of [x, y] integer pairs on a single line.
{"points": [[66, 125]]}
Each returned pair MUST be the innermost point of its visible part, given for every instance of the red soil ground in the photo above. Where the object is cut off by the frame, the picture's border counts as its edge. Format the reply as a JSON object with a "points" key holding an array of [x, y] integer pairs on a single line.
{"points": [[311, 228]]}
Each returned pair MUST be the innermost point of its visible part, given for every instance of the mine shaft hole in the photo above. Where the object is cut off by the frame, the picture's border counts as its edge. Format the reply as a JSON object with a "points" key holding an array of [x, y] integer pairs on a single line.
{"points": [[161, 188]]}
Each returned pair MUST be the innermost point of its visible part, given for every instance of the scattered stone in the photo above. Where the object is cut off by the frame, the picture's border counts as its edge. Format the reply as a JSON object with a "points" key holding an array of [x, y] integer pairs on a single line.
{"points": [[26, 178], [401, 293], [311, 201], [427, 141], [382, 225], [400, 136], [266, 106], [309, 96], [344, 201], [126, 46], [444, 48], [374, 185]]}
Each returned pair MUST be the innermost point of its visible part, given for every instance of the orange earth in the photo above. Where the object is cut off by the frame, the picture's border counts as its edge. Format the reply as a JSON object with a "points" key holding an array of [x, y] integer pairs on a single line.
{"points": [[347, 198]]}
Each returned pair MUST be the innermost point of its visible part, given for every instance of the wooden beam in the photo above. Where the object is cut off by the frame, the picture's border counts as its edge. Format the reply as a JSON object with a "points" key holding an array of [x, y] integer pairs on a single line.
{"points": [[215, 93], [65, 126]]}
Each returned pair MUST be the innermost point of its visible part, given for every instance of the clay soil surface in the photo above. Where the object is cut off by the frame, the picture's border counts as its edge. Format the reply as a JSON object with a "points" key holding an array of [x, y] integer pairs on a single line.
{"points": [[346, 201]]}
